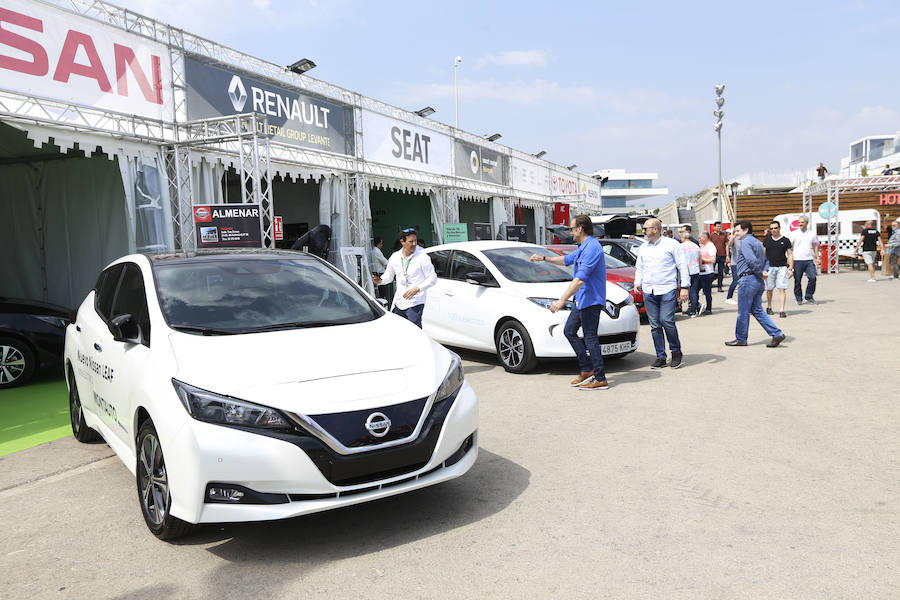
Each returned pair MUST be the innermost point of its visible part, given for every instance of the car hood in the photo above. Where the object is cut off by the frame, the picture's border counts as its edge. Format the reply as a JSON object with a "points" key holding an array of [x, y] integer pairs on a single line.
{"points": [[317, 370], [614, 293]]}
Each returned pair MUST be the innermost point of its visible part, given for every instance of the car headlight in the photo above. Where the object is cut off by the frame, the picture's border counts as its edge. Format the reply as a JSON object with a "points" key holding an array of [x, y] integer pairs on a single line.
{"points": [[452, 381], [628, 286], [548, 302], [222, 410]]}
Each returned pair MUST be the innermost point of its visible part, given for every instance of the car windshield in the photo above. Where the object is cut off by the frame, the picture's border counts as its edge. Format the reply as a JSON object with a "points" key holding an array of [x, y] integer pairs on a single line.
{"points": [[614, 263], [250, 294], [513, 263]]}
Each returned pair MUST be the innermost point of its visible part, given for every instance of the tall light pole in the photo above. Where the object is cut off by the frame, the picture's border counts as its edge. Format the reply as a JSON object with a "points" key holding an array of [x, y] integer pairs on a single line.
{"points": [[718, 113], [456, 62]]}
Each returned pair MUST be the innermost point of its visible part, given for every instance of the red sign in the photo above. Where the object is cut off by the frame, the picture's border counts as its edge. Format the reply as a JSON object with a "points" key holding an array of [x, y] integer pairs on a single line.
{"points": [[560, 213], [278, 226], [202, 214], [889, 199]]}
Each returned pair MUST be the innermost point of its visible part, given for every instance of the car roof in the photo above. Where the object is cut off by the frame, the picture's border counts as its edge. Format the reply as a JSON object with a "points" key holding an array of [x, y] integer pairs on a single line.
{"points": [[226, 254], [482, 245]]}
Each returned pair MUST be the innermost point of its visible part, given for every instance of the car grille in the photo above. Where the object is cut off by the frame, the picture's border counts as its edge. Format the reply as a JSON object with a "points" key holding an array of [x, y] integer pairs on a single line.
{"points": [[619, 337], [349, 428]]}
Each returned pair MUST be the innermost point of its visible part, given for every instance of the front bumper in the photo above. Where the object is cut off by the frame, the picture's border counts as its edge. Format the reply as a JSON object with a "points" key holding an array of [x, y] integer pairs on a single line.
{"points": [[550, 341], [300, 475]]}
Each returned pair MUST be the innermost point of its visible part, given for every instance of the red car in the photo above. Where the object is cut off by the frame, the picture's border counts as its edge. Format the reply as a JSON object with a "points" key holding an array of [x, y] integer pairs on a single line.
{"points": [[616, 271]]}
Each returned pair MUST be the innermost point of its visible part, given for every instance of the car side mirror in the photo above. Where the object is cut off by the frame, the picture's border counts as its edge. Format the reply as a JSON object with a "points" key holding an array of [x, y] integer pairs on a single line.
{"points": [[477, 278], [125, 329]]}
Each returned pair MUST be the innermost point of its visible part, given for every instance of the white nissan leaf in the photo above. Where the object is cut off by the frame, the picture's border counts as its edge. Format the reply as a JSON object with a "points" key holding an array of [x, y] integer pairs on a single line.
{"points": [[261, 385], [490, 297]]}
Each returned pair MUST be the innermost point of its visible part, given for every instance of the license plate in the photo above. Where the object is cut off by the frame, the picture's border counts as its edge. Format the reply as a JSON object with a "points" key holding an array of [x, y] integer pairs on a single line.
{"points": [[617, 348]]}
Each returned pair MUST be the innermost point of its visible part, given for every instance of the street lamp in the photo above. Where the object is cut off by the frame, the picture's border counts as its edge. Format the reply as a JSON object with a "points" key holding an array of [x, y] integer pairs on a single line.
{"points": [[493, 138], [718, 114], [301, 66], [540, 154], [424, 112], [456, 62]]}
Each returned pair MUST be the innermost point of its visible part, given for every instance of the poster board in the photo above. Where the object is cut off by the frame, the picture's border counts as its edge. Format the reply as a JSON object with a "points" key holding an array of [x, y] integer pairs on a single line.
{"points": [[355, 265]]}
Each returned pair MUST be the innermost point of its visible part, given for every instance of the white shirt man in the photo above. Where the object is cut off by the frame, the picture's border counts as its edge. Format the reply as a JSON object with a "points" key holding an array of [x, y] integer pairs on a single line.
{"points": [[805, 245], [412, 269]]}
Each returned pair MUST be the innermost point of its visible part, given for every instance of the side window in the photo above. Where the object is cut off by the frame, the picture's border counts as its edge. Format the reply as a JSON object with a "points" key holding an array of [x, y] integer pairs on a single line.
{"points": [[464, 263], [105, 290], [607, 249], [131, 300], [440, 259], [617, 252]]}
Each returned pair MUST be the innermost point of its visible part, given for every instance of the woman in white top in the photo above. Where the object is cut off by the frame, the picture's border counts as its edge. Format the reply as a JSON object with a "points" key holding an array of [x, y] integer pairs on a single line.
{"points": [[707, 269]]}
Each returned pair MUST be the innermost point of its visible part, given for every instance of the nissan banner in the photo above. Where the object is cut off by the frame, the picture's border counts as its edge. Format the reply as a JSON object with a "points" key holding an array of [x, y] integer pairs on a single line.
{"points": [[296, 118], [474, 162]]}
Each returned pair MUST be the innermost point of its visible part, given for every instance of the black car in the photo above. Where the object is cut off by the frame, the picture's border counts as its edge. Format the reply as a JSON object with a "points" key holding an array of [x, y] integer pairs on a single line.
{"points": [[31, 334], [624, 249]]}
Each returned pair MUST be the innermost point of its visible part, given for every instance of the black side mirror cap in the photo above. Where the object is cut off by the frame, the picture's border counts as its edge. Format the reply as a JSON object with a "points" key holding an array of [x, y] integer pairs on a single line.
{"points": [[125, 329]]}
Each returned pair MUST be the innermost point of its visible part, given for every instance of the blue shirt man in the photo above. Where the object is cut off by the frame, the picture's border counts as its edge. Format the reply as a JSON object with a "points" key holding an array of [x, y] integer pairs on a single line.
{"points": [[589, 289], [750, 268]]}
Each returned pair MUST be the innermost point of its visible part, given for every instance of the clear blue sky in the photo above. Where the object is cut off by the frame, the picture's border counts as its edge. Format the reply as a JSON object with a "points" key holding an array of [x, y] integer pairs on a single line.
{"points": [[599, 84]]}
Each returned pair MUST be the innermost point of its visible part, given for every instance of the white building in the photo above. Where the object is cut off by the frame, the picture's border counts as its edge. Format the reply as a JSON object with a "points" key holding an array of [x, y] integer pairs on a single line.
{"points": [[623, 190], [873, 152]]}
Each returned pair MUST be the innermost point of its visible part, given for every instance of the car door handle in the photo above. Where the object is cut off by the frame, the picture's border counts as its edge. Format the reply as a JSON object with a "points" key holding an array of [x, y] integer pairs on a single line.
{"points": [[97, 347], [78, 328], [448, 293]]}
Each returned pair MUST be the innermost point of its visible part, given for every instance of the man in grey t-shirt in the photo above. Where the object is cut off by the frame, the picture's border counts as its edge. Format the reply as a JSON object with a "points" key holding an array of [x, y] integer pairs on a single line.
{"points": [[732, 250]]}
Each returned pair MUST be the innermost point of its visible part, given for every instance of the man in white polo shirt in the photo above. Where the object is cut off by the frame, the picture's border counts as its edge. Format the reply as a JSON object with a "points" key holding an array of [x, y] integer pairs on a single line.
{"points": [[805, 246], [412, 268]]}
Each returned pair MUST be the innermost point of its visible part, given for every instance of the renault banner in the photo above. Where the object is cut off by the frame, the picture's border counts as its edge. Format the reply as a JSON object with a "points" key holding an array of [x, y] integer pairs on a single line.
{"points": [[295, 117], [474, 162]]}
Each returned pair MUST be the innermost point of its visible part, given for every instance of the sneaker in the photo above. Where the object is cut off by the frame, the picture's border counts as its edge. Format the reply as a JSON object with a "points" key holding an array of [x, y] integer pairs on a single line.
{"points": [[581, 379], [594, 384], [769, 311], [782, 314], [730, 301], [676, 360], [693, 315], [871, 280], [708, 311], [775, 341], [735, 343], [811, 301], [659, 363], [799, 302]]}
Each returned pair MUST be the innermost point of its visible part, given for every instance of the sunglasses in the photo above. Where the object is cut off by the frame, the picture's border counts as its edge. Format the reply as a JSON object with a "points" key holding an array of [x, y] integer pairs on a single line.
{"points": [[408, 230]]}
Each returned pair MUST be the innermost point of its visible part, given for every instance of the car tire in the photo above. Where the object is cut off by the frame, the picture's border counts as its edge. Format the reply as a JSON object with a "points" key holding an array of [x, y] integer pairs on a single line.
{"points": [[80, 430], [514, 348], [153, 490], [17, 362]]}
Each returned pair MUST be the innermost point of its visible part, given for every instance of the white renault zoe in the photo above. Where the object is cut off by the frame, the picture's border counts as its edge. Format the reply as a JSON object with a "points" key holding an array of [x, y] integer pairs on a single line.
{"points": [[490, 297], [261, 385]]}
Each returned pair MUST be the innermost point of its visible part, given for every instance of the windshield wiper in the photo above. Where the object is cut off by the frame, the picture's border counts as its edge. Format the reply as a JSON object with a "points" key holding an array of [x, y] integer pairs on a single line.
{"points": [[203, 330], [295, 325]]}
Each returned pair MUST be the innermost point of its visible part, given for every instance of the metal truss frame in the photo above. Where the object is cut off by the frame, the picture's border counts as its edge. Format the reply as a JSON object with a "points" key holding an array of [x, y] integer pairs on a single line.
{"points": [[832, 189]]}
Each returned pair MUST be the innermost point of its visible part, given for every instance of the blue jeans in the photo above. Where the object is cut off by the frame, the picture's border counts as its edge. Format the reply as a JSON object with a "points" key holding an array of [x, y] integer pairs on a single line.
{"points": [[750, 291], [590, 356], [809, 268], [734, 282], [413, 314], [720, 270], [661, 314], [694, 294], [706, 280]]}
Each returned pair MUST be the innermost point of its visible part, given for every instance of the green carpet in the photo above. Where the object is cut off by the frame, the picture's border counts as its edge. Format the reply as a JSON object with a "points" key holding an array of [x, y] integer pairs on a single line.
{"points": [[34, 414]]}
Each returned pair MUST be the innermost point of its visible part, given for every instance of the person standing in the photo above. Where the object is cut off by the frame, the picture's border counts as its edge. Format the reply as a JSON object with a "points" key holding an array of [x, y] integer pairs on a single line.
{"points": [[732, 250], [893, 248], [589, 288], [692, 260], [658, 263], [780, 266], [750, 267], [870, 240], [411, 267], [377, 262], [720, 239], [707, 269], [820, 171], [805, 244]]}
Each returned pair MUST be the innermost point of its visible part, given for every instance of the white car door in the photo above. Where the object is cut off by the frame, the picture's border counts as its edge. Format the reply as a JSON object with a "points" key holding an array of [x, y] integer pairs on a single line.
{"points": [[434, 319], [470, 309]]}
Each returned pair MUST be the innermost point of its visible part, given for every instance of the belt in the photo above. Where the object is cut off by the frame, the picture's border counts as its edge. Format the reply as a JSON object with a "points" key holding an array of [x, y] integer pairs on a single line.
{"points": [[746, 273]]}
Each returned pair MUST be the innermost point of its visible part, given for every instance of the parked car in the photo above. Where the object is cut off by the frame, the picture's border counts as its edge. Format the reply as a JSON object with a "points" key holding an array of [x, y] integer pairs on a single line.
{"points": [[31, 334], [244, 386], [622, 249], [490, 297], [616, 271]]}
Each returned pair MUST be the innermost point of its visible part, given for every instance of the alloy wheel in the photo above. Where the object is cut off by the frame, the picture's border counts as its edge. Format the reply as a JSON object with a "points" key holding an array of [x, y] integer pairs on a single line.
{"points": [[154, 483], [512, 347], [75, 415], [12, 364]]}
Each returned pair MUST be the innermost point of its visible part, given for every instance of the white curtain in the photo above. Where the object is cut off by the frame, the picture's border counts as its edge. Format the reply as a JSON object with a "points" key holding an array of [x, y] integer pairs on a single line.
{"points": [[436, 199], [540, 224], [147, 205], [206, 182], [498, 215], [334, 211]]}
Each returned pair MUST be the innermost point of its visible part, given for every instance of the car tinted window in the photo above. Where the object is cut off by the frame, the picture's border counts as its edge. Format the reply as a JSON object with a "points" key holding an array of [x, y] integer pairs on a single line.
{"points": [[245, 294], [617, 252], [440, 259], [131, 299], [106, 289], [515, 266], [463, 264]]}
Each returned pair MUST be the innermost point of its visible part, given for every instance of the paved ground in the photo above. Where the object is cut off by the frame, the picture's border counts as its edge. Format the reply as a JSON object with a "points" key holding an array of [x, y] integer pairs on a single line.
{"points": [[749, 473]]}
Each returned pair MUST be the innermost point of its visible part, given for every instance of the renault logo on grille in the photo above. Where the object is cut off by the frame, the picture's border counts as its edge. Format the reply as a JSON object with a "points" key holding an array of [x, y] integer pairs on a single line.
{"points": [[378, 424]]}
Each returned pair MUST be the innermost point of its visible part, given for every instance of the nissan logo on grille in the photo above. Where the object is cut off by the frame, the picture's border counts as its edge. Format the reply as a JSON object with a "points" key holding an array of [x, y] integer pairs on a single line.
{"points": [[378, 424]]}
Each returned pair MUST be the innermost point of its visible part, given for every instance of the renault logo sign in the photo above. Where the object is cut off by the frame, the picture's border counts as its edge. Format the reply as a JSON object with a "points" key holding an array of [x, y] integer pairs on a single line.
{"points": [[378, 424], [237, 93]]}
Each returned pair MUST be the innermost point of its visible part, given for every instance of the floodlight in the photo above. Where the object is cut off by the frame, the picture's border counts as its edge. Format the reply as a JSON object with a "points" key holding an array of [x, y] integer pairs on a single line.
{"points": [[301, 66]]}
